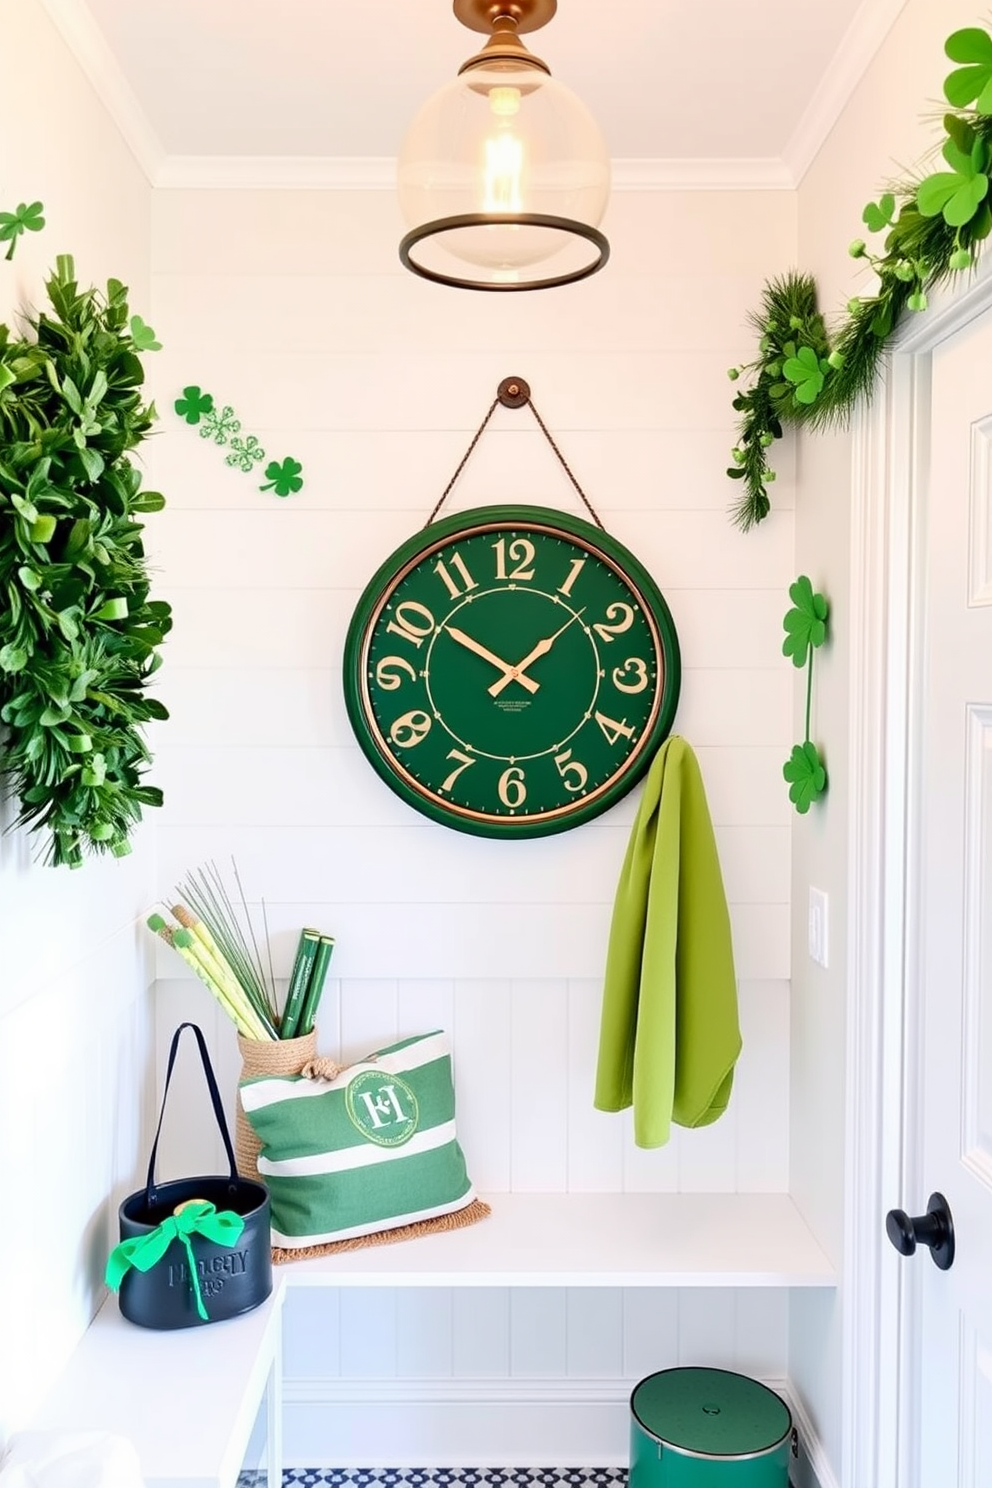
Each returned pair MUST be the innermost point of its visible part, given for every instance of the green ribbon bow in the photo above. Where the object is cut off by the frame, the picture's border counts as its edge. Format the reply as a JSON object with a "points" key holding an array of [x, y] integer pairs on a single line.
{"points": [[145, 1251]]}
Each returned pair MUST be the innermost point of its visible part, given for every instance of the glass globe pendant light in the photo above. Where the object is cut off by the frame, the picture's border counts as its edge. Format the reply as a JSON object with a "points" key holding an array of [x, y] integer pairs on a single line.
{"points": [[503, 175]]}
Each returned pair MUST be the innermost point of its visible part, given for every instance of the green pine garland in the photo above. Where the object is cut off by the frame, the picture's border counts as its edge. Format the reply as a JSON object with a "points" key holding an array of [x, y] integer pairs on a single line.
{"points": [[804, 374], [78, 631]]}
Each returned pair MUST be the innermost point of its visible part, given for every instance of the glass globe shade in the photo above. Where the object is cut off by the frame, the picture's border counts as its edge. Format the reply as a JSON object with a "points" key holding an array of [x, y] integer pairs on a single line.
{"points": [[505, 141]]}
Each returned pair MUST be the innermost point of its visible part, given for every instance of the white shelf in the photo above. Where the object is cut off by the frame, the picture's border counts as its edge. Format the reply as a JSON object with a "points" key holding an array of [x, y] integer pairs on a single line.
{"points": [[611, 1240]]}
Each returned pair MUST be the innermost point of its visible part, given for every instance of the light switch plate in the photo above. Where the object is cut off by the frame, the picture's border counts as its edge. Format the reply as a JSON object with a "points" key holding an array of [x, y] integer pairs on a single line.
{"points": [[819, 906]]}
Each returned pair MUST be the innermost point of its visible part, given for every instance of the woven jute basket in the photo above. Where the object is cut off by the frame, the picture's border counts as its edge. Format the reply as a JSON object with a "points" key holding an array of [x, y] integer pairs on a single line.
{"points": [[265, 1057]]}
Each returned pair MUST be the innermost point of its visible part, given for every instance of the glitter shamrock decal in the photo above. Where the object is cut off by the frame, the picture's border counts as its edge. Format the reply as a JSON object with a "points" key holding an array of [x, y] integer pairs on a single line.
{"points": [[805, 628], [284, 479], [27, 218], [245, 453], [220, 425], [193, 404]]}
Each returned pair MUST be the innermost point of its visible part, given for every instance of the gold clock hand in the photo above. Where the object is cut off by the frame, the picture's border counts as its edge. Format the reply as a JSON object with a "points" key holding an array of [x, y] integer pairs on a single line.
{"points": [[516, 673], [490, 656]]}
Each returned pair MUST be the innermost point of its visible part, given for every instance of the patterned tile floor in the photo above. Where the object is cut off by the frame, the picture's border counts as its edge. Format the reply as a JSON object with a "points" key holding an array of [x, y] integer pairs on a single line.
{"points": [[444, 1477]]}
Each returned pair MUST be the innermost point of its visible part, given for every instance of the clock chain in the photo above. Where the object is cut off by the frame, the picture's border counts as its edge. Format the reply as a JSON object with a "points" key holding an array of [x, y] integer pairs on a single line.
{"points": [[514, 393]]}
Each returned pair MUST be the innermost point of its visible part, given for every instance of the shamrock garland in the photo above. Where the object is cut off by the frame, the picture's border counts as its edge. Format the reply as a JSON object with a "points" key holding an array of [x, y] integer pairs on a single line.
{"points": [[223, 427], [27, 218], [805, 375], [805, 629]]}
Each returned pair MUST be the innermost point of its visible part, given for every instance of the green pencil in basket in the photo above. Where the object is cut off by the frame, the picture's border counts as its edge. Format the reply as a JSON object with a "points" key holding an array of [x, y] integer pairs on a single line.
{"points": [[299, 980], [318, 976]]}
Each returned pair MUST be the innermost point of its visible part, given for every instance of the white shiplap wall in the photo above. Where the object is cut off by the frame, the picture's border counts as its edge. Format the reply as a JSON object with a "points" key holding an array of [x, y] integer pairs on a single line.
{"points": [[76, 1062], [292, 308]]}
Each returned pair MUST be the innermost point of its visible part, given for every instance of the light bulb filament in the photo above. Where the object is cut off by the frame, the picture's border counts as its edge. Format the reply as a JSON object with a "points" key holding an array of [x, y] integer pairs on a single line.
{"points": [[502, 189]]}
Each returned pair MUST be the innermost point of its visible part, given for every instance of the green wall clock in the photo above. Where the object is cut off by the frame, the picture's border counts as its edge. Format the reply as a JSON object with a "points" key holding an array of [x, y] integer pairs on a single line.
{"points": [[510, 671]]}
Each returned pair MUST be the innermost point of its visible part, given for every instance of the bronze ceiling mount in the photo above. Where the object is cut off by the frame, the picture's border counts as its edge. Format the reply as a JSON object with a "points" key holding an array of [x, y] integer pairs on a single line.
{"points": [[505, 21]]}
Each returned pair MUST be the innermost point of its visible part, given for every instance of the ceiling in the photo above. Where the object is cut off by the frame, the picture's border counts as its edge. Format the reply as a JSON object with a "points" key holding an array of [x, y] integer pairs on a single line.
{"points": [[708, 82]]}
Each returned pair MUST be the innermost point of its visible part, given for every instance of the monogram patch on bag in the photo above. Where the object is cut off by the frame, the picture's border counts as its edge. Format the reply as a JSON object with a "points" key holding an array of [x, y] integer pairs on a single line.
{"points": [[382, 1107], [354, 1151]]}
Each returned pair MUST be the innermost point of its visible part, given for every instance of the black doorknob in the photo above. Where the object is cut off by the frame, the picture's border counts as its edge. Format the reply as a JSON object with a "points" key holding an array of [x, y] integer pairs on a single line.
{"points": [[934, 1229]]}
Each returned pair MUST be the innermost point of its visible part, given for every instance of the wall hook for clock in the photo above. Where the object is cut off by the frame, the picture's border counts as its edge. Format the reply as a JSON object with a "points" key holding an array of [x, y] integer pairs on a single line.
{"points": [[514, 392]]}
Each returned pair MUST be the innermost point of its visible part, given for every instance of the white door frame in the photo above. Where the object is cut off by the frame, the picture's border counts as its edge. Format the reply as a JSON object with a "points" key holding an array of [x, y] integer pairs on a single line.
{"points": [[883, 1151]]}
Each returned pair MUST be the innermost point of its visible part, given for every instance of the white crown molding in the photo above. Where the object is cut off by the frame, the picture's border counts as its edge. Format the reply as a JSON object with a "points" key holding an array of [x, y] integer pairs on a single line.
{"points": [[81, 34], [850, 62], [75, 23], [84, 38], [378, 173]]}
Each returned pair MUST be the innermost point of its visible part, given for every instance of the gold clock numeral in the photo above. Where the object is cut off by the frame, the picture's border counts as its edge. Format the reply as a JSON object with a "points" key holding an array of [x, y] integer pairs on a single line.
{"points": [[414, 622], [511, 787], [612, 730], [464, 760], [411, 729], [521, 552], [622, 616], [457, 563], [387, 676], [640, 670], [577, 565], [566, 765]]}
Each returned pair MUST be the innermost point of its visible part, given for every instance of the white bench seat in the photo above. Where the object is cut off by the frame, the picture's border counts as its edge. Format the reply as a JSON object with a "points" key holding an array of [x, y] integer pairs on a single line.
{"points": [[188, 1399]]}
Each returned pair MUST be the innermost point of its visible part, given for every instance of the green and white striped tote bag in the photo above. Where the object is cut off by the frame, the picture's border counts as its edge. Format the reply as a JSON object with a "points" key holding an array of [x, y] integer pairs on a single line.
{"points": [[371, 1149]]}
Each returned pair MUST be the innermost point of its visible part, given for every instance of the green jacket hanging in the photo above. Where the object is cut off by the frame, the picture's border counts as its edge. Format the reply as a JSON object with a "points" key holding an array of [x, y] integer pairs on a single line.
{"points": [[670, 1035]]}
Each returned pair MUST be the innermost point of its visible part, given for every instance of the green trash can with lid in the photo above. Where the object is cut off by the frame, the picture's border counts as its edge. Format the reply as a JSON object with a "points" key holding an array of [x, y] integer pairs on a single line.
{"points": [[708, 1428]]}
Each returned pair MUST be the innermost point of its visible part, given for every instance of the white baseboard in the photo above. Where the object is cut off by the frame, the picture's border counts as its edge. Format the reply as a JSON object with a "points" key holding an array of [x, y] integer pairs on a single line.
{"points": [[812, 1470], [495, 1422]]}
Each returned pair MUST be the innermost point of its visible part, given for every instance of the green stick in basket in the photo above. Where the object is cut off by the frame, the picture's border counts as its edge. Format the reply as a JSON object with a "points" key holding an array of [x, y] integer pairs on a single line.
{"points": [[317, 978], [299, 980]]}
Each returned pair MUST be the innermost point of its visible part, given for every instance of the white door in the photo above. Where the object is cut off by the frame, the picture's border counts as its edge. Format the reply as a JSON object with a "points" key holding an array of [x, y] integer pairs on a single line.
{"points": [[949, 919]]}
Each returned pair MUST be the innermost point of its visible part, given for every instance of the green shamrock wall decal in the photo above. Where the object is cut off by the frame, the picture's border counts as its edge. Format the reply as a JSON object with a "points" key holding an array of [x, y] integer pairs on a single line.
{"points": [[223, 427], [805, 626], [806, 623], [143, 336], [193, 404], [806, 775], [27, 218], [285, 479]]}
